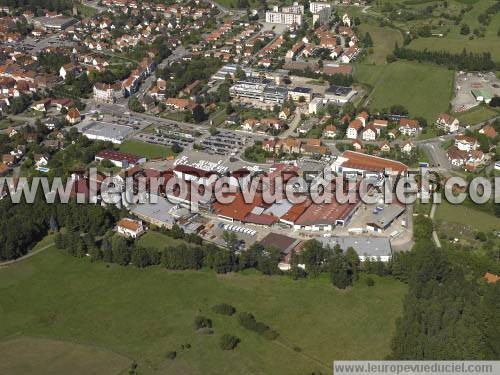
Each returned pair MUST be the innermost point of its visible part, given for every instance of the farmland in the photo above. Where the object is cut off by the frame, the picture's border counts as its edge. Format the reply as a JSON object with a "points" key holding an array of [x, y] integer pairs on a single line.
{"points": [[35, 355], [142, 314], [424, 89]]}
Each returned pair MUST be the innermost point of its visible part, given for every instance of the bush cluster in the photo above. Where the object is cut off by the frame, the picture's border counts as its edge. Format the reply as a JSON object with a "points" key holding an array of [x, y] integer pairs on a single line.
{"points": [[224, 309], [248, 321]]}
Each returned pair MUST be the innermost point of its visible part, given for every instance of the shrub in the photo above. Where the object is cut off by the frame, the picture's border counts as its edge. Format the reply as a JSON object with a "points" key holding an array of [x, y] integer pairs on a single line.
{"points": [[270, 334], [249, 322], [171, 355], [202, 322], [224, 309], [370, 281], [228, 342]]}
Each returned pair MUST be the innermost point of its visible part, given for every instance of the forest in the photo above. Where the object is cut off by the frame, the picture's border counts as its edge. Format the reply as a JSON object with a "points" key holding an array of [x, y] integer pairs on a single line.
{"points": [[52, 5]]}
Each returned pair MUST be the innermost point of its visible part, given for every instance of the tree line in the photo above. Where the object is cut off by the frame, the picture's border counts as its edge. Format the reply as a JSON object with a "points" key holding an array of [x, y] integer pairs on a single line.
{"points": [[463, 61], [22, 225], [447, 313], [38, 5]]}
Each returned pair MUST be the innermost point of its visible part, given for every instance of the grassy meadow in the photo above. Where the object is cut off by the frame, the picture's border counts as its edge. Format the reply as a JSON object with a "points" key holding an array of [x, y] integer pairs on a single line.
{"points": [[466, 215], [424, 89], [142, 314], [477, 114], [41, 356], [384, 40]]}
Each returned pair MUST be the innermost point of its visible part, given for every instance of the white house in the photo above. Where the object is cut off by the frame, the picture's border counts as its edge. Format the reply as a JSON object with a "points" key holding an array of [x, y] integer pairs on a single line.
{"points": [[41, 160], [407, 147], [456, 156], [346, 20], [466, 143], [316, 105], [353, 129], [330, 131], [369, 133], [409, 126], [129, 227], [447, 123]]}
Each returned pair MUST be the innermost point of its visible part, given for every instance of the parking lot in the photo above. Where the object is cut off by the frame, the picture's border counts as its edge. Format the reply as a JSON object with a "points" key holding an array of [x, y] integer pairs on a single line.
{"points": [[163, 139], [466, 82], [247, 234], [224, 143]]}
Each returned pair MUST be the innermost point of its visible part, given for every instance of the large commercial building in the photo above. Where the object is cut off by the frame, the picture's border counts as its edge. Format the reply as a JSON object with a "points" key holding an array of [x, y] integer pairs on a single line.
{"points": [[54, 23], [120, 159], [358, 163], [103, 131], [259, 89], [372, 248], [339, 95]]}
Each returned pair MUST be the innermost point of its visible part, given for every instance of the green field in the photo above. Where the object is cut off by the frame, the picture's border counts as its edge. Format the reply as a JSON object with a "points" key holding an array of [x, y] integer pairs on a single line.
{"points": [[462, 214], [425, 90], [144, 313], [476, 115], [41, 356], [452, 40], [384, 40], [234, 3], [148, 150], [157, 240]]}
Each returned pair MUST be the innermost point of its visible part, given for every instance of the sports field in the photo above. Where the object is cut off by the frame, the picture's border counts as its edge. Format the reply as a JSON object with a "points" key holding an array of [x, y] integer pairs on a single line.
{"points": [[425, 90], [41, 356], [148, 150], [143, 314]]}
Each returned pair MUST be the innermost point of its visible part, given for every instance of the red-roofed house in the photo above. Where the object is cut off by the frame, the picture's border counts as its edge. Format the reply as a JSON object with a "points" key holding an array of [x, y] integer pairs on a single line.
{"points": [[409, 126], [130, 228], [447, 123]]}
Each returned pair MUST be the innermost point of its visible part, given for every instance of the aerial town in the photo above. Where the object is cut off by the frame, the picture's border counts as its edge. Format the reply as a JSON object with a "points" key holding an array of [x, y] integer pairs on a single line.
{"points": [[246, 90]]}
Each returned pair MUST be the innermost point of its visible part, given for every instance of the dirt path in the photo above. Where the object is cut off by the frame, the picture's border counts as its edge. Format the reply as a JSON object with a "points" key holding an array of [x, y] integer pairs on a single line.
{"points": [[29, 255]]}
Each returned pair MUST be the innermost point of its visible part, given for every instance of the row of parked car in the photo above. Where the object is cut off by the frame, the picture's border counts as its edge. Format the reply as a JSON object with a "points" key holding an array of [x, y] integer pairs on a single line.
{"points": [[237, 229]]}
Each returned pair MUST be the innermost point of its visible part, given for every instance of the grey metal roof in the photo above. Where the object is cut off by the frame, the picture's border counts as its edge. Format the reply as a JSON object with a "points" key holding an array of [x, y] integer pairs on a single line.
{"points": [[364, 245], [157, 211], [384, 218]]}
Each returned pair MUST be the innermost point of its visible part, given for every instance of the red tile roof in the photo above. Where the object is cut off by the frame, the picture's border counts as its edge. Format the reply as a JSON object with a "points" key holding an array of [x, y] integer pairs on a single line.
{"points": [[371, 163], [118, 156], [326, 213], [238, 209]]}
